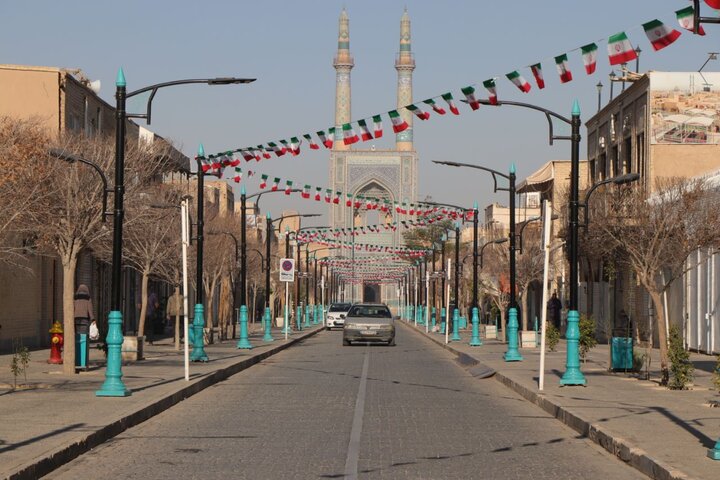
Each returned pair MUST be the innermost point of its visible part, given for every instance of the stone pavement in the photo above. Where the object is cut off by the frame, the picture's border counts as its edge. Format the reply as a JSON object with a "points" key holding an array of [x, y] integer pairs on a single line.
{"points": [[663, 433], [52, 418]]}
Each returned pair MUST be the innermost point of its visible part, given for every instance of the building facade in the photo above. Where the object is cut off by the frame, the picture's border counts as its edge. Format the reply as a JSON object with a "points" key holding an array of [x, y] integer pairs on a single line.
{"points": [[390, 175]]}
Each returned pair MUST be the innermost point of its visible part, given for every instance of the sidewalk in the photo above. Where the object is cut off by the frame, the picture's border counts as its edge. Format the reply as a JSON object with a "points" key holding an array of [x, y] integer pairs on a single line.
{"points": [[663, 433], [54, 418]]}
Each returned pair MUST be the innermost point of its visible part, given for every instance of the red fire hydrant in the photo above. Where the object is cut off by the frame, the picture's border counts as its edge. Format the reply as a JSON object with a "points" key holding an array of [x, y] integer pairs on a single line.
{"points": [[56, 343]]}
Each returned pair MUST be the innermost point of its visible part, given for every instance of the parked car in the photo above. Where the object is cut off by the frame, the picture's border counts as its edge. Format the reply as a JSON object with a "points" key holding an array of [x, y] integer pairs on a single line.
{"points": [[336, 315], [369, 322]]}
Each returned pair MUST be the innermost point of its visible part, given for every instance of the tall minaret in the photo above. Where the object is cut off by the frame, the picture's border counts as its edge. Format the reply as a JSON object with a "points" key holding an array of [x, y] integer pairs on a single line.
{"points": [[343, 63], [405, 64]]}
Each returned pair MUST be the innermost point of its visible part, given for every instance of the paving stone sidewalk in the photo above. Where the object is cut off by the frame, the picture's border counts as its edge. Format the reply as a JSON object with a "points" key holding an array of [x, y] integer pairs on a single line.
{"points": [[51, 417], [663, 433]]}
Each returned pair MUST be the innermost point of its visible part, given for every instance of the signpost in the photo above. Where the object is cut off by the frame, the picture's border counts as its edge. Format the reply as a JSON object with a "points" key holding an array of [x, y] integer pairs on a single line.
{"points": [[287, 275]]}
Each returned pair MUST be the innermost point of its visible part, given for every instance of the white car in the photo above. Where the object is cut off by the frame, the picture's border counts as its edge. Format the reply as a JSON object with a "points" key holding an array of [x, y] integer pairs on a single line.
{"points": [[336, 315]]}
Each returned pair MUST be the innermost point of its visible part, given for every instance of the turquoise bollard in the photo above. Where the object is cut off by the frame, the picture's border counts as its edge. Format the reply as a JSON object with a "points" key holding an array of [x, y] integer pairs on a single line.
{"points": [[512, 354], [243, 342], [456, 326], [198, 354], [268, 324], [573, 375], [475, 340]]}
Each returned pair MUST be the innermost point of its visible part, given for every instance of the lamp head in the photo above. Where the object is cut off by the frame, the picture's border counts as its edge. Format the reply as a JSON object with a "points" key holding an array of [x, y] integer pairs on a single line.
{"points": [[627, 178], [229, 80]]}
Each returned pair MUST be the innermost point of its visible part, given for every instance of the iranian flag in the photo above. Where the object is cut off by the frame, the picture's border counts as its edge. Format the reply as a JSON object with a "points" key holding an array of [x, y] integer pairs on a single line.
{"points": [[305, 191], [469, 93], [659, 34], [349, 135], [247, 154], [328, 195], [336, 198], [686, 20], [264, 151], [285, 146], [288, 187], [418, 112], [537, 73], [519, 81], [561, 62], [318, 194], [348, 201], [313, 145], [620, 50], [235, 162], [399, 124], [365, 134], [215, 163], [257, 154], [206, 166], [238, 174], [275, 184], [274, 147], [713, 4], [492, 89], [451, 103], [325, 139], [589, 57], [295, 145], [437, 108], [263, 181], [377, 125]]}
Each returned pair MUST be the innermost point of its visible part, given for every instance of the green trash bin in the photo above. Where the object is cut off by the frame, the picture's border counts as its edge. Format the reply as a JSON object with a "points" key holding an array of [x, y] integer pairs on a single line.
{"points": [[622, 353]]}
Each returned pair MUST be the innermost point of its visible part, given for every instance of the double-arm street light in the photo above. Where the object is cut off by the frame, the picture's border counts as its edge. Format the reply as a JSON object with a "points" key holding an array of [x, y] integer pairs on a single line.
{"points": [[70, 158], [512, 354], [113, 385]]}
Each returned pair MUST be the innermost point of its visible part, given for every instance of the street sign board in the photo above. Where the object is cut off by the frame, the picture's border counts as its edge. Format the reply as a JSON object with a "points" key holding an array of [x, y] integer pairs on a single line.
{"points": [[287, 270]]}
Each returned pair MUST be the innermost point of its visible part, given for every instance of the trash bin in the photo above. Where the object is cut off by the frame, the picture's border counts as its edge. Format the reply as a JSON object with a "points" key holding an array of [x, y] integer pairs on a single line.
{"points": [[622, 353]]}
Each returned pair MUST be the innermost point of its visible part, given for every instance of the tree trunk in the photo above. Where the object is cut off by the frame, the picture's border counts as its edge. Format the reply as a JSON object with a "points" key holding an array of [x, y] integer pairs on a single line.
{"points": [[210, 310], [143, 304], [662, 336], [503, 324], [69, 266]]}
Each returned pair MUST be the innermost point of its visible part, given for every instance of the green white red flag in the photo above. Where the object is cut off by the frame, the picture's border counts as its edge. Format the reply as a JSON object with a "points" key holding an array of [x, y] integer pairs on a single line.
{"points": [[437, 108], [295, 145], [451, 103], [264, 151], [263, 181], [276, 149], [288, 186], [336, 198], [537, 73], [275, 184], [561, 62], [492, 89], [399, 124], [377, 126], [238, 174], [589, 57], [349, 135], [285, 146], [686, 19], [324, 139], [328, 195], [311, 142], [469, 93], [365, 134], [306, 191], [247, 154], [418, 112], [659, 34], [620, 49], [318, 195], [519, 81], [713, 4]]}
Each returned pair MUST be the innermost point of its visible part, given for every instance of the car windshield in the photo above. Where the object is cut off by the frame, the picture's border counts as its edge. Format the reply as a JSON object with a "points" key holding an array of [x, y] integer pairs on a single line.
{"points": [[339, 307], [375, 311]]}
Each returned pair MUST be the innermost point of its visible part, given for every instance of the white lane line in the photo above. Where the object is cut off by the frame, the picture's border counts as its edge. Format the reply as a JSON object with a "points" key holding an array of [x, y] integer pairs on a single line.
{"points": [[353, 453]]}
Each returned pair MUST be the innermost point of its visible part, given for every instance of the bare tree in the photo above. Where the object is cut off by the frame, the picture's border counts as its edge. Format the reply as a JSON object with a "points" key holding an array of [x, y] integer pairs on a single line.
{"points": [[23, 191], [70, 217], [656, 235], [529, 267], [495, 282]]}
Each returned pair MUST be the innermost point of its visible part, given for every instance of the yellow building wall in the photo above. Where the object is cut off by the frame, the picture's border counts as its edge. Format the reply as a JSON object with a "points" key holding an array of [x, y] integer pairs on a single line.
{"points": [[31, 93], [682, 161]]}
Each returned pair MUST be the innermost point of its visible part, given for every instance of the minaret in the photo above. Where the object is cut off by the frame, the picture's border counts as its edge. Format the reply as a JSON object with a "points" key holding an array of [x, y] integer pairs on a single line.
{"points": [[405, 64], [343, 63]]}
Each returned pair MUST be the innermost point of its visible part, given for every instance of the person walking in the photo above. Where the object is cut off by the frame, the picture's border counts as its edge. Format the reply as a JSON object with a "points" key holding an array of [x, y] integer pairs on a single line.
{"points": [[554, 307], [84, 315], [174, 311]]}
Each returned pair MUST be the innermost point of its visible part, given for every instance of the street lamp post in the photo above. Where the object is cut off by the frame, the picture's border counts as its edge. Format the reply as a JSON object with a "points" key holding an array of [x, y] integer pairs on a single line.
{"points": [[512, 354], [475, 340], [113, 385], [456, 287]]}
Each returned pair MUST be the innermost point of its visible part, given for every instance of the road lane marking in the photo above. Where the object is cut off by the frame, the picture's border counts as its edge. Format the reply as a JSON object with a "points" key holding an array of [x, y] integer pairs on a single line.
{"points": [[353, 453]]}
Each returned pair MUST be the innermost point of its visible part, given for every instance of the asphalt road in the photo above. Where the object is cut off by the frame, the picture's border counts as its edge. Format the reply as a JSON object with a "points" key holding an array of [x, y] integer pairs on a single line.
{"points": [[321, 410]]}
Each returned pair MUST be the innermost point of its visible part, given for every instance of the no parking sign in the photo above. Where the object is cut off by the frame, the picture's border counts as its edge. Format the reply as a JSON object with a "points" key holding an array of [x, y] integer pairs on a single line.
{"points": [[287, 270]]}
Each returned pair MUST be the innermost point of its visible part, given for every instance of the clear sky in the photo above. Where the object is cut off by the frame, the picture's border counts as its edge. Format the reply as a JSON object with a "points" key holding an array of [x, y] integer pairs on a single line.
{"points": [[289, 46]]}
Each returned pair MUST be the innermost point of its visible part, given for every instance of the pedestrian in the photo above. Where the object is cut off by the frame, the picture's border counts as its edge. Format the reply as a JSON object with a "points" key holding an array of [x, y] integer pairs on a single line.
{"points": [[151, 313], [83, 313], [554, 307]]}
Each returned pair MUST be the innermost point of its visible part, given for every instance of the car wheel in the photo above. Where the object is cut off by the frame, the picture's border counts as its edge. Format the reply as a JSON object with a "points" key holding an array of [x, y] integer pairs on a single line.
{"points": [[346, 342], [391, 343]]}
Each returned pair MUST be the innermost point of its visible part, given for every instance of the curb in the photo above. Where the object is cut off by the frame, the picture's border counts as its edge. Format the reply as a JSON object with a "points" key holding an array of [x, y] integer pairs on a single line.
{"points": [[55, 459], [617, 446]]}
